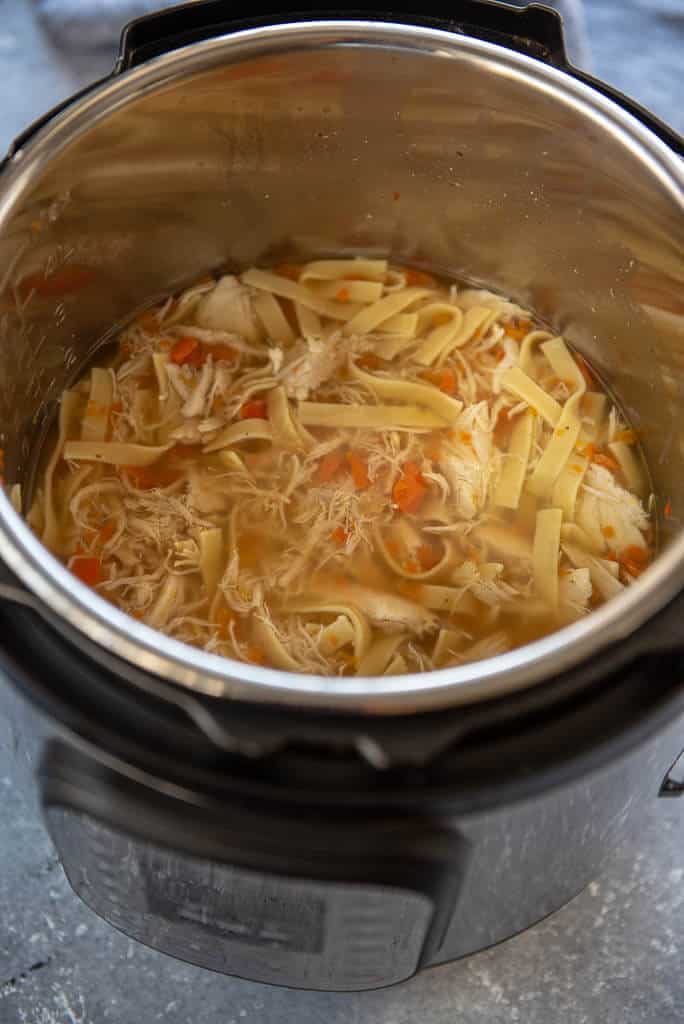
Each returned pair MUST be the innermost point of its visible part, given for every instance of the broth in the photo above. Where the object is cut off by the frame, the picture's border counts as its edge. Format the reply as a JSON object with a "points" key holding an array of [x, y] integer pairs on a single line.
{"points": [[345, 467]]}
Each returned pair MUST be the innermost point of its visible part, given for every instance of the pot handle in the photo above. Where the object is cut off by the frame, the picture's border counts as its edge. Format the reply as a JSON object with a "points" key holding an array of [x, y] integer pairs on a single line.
{"points": [[534, 30]]}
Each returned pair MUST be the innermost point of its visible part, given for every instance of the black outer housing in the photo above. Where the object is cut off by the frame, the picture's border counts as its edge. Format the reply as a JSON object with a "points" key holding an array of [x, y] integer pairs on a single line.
{"points": [[284, 788]]}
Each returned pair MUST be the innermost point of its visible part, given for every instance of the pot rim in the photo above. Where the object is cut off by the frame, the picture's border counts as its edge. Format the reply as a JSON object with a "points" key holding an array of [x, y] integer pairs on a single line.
{"points": [[61, 596]]}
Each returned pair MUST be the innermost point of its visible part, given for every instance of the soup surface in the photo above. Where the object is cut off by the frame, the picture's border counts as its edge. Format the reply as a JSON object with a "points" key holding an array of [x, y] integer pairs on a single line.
{"points": [[345, 467]]}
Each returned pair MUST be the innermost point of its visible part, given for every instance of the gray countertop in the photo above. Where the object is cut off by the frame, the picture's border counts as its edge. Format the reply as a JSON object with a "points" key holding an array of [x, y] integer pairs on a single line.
{"points": [[612, 956]]}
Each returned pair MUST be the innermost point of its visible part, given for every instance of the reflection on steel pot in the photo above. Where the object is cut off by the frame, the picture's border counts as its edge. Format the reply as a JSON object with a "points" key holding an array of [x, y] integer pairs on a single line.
{"points": [[341, 833]]}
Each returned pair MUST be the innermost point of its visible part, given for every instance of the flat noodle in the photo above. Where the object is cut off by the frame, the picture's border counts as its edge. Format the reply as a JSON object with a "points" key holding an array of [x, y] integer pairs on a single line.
{"points": [[476, 322], [69, 410], [531, 341], [96, 418], [370, 318], [348, 291], [283, 429], [386, 610], [403, 324], [557, 451], [512, 477], [361, 628], [449, 600], [631, 467], [330, 270], [412, 573], [369, 417], [211, 558], [238, 433], [114, 453], [566, 487], [264, 634], [524, 387], [505, 541], [380, 654], [605, 582], [447, 645], [397, 390], [273, 320], [562, 363], [594, 412], [442, 334], [288, 289], [545, 555], [309, 321]]}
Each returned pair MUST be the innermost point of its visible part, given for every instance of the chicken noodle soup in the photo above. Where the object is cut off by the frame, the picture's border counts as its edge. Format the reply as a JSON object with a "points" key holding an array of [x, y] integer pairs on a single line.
{"points": [[345, 467]]}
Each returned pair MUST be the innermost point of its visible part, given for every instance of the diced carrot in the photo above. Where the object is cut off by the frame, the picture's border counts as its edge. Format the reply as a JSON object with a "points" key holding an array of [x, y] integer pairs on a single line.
{"points": [[585, 370], [87, 569], [393, 547], [410, 489], [606, 461], [466, 437], [517, 329], [359, 472], [631, 567], [149, 320], [291, 270], [106, 531], [418, 278], [222, 619], [329, 467], [608, 531], [427, 556], [626, 436], [667, 511], [117, 407], [339, 535], [221, 353], [187, 351], [588, 450], [369, 361], [58, 283], [444, 379], [255, 409], [635, 553], [411, 566], [255, 655], [396, 195], [342, 295]]}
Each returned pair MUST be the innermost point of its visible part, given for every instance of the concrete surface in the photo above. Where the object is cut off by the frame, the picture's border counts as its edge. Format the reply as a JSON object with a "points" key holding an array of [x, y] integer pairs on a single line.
{"points": [[612, 956]]}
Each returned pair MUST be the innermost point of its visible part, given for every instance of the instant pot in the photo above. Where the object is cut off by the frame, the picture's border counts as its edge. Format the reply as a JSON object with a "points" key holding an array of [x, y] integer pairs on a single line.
{"points": [[341, 833]]}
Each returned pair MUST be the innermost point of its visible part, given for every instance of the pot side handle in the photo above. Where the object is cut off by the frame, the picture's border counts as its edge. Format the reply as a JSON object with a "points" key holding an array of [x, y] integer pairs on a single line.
{"points": [[534, 30]]}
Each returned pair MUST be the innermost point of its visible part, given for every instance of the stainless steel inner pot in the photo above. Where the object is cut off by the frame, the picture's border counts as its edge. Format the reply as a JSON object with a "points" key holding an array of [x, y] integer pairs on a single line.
{"points": [[436, 149]]}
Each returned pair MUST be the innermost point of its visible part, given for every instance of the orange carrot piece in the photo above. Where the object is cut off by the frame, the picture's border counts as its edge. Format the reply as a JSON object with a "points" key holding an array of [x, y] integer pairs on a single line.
{"points": [[255, 409], [410, 489], [359, 472], [518, 329], [636, 554], [418, 278], [339, 535], [606, 461], [427, 556], [342, 295], [667, 511], [186, 351], [329, 467], [608, 532], [87, 569]]}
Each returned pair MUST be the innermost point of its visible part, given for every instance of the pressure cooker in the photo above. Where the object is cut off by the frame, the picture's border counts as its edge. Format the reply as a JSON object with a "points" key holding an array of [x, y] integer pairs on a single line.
{"points": [[341, 833]]}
